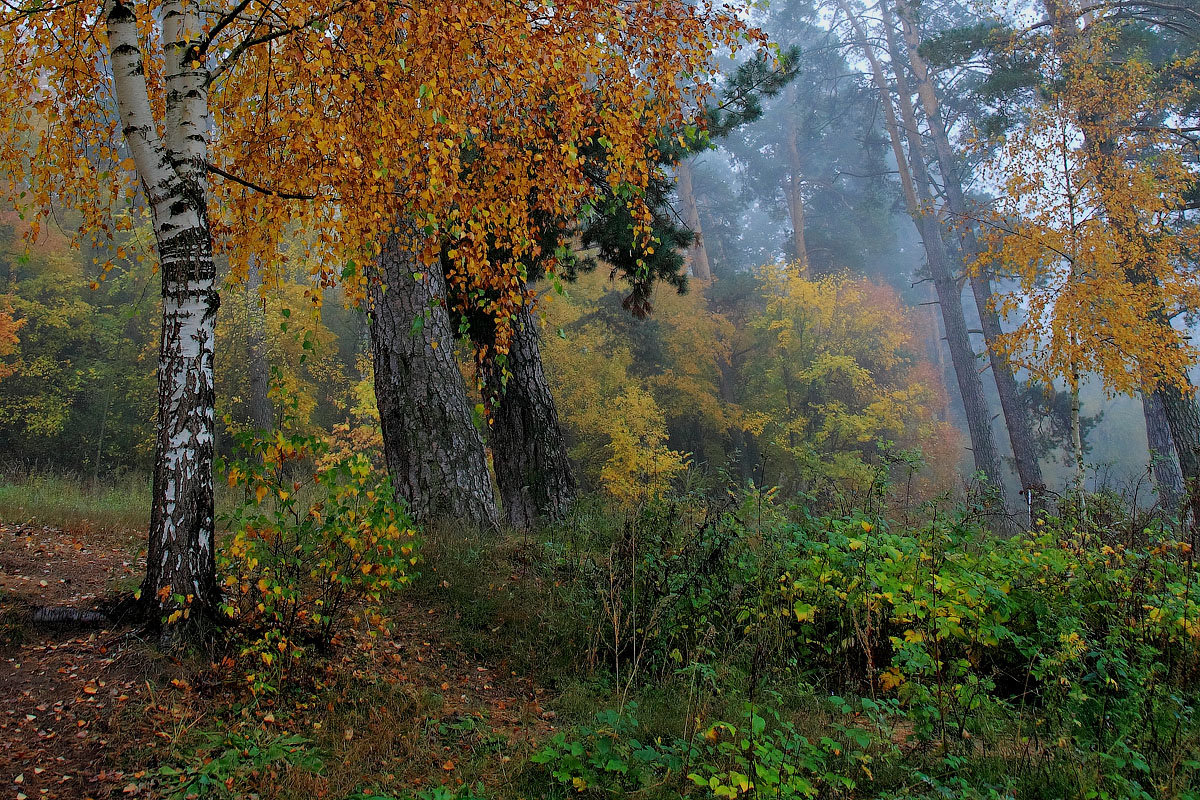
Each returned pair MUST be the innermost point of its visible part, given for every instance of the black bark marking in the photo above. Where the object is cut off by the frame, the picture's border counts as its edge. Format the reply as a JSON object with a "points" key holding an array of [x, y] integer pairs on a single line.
{"points": [[433, 450]]}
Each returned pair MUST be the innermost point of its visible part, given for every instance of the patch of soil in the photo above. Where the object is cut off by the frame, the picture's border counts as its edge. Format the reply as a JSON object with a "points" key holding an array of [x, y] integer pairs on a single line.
{"points": [[84, 712], [62, 690]]}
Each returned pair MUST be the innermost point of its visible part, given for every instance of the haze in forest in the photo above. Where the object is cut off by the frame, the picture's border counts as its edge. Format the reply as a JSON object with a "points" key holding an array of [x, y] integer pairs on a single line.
{"points": [[662, 398]]}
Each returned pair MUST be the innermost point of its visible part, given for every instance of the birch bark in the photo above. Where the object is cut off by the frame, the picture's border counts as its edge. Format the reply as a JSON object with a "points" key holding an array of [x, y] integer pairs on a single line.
{"points": [[180, 581]]}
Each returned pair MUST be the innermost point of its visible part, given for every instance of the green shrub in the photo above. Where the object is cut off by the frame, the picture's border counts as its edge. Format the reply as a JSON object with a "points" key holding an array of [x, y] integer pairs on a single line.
{"points": [[313, 545], [1073, 654], [606, 758], [227, 764]]}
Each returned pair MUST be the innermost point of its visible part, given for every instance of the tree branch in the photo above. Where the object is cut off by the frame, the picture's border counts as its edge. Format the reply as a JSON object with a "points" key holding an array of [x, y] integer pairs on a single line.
{"points": [[213, 168]]}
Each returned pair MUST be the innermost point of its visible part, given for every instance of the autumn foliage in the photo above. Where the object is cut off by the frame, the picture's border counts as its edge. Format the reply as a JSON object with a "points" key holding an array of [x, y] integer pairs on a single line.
{"points": [[797, 386], [335, 120], [1087, 221]]}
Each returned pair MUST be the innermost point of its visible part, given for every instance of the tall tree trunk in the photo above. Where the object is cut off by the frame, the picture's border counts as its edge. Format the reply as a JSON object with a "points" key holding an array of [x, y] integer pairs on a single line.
{"points": [[180, 560], [1016, 412], [529, 452], [1183, 418], [1076, 440], [1163, 465], [433, 450], [792, 189], [697, 254], [262, 415], [962, 356]]}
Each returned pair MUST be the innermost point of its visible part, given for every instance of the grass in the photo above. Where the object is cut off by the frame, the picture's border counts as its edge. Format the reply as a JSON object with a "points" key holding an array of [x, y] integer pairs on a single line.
{"points": [[120, 505]]}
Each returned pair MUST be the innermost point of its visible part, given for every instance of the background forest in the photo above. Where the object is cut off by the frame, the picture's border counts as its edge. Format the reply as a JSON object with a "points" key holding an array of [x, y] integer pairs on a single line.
{"points": [[658, 399]]}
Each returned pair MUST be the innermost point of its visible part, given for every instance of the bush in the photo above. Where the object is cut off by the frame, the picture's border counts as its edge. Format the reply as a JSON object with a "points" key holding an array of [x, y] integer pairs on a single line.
{"points": [[766, 757], [313, 545], [229, 764], [1074, 655]]}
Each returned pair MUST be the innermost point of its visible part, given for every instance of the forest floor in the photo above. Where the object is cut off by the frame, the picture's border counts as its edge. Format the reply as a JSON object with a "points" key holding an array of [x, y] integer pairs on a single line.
{"points": [[97, 713]]}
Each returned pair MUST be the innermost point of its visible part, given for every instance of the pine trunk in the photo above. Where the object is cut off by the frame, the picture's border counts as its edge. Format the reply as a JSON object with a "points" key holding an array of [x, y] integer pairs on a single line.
{"points": [[793, 182], [962, 356], [529, 452], [1162, 452], [697, 254], [1183, 418], [1016, 413], [433, 450], [180, 582]]}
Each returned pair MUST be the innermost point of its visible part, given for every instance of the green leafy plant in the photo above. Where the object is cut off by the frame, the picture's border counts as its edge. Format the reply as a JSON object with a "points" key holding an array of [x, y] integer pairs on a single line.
{"points": [[1072, 649], [315, 544], [606, 757], [434, 793], [230, 764]]}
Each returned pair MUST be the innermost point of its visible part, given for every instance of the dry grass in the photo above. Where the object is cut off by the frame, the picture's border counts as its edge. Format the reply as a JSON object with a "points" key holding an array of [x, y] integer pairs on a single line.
{"points": [[119, 505]]}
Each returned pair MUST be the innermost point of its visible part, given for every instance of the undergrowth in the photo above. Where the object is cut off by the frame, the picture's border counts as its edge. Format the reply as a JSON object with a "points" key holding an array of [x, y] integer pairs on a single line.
{"points": [[742, 646]]}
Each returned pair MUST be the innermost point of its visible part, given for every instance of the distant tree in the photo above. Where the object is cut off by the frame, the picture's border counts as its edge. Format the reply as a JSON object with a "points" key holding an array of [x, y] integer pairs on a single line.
{"points": [[951, 166], [8, 339], [1088, 222], [818, 154], [908, 148]]}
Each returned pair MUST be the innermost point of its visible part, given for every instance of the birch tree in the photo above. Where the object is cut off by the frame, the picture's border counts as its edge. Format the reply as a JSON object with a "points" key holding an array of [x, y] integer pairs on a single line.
{"points": [[346, 121], [1090, 220], [67, 67]]}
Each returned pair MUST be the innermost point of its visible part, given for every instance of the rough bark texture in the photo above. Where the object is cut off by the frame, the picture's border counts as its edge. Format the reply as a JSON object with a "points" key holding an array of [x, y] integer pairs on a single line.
{"points": [[180, 582], [1016, 412], [529, 452], [962, 356], [1183, 418], [433, 450], [181, 557], [1162, 452], [697, 254]]}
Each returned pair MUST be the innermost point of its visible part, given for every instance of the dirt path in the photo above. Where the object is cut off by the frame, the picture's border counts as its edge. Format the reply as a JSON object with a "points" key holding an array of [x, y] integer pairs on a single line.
{"points": [[61, 690], [78, 710]]}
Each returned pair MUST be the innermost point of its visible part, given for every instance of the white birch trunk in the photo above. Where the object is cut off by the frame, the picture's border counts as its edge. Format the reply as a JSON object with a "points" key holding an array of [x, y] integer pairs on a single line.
{"points": [[180, 566]]}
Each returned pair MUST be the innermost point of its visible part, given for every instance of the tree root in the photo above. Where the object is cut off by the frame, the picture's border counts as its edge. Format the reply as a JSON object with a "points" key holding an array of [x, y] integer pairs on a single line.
{"points": [[65, 617]]}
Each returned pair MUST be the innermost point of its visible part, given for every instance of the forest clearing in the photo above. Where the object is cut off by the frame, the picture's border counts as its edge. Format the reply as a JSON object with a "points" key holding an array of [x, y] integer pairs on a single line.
{"points": [[497, 400]]}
